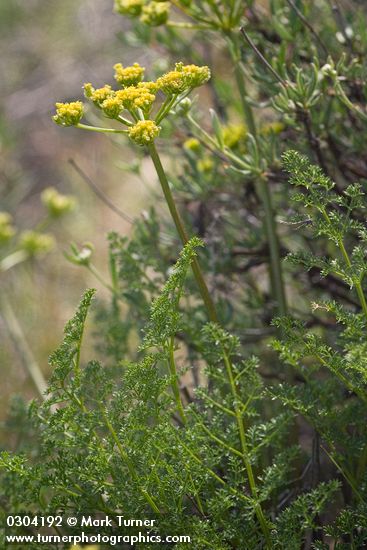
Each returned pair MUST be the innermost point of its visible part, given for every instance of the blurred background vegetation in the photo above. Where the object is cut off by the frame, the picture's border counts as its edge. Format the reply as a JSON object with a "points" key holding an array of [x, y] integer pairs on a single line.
{"points": [[48, 51]]}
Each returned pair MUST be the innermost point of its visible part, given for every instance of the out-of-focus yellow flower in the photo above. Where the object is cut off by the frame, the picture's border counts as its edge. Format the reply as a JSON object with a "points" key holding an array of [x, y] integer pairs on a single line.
{"points": [[144, 132], [128, 76], [233, 134], [183, 78], [155, 13], [35, 243], [131, 8], [205, 165], [90, 547], [272, 128], [68, 114], [7, 231], [192, 144], [56, 203]]}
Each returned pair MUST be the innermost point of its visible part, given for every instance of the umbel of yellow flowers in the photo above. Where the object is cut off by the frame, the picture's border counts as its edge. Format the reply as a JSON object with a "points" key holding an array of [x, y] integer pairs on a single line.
{"points": [[134, 103]]}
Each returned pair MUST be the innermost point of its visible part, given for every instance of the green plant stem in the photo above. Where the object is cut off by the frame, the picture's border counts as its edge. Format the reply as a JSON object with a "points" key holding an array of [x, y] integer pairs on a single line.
{"points": [[13, 259], [209, 304], [174, 383], [262, 187], [343, 250], [276, 272], [246, 107], [100, 130], [129, 464], [242, 435]]}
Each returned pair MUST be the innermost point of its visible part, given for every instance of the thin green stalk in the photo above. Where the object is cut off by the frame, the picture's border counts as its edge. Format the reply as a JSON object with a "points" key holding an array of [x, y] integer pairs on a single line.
{"points": [[174, 377], [129, 464], [100, 130], [215, 438], [242, 436], [209, 304], [262, 187], [276, 271], [246, 107], [348, 262], [13, 259]]}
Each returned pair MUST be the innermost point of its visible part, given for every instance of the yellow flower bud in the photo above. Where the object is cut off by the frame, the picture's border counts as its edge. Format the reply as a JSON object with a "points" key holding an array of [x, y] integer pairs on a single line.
{"points": [[205, 165], [275, 127], [183, 78], [192, 144], [129, 76], [99, 95], [233, 134], [68, 114], [57, 204], [36, 243], [150, 86], [131, 8], [112, 107], [155, 13], [136, 98], [144, 132]]}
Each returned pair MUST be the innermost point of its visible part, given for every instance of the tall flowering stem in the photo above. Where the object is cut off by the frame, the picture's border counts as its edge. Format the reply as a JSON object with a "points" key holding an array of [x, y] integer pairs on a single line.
{"points": [[210, 307]]}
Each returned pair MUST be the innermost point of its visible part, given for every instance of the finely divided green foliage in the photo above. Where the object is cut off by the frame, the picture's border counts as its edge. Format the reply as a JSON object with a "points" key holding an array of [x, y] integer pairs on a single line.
{"points": [[110, 446]]}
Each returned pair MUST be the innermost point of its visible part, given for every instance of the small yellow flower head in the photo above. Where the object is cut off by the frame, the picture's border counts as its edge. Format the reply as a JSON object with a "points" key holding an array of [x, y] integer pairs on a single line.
{"points": [[272, 128], [36, 243], [183, 78], [205, 165], [68, 114], [172, 83], [233, 134], [136, 98], [144, 132], [192, 144], [196, 76], [129, 76], [57, 204], [155, 13], [112, 107], [131, 8], [7, 231], [99, 95], [150, 86]]}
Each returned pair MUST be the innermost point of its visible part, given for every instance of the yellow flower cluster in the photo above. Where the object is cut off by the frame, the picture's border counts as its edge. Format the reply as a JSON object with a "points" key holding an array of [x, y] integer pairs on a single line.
{"points": [[131, 8], [35, 243], [136, 98], [192, 144], [234, 134], [128, 76], [144, 132], [152, 13], [155, 13], [68, 114], [6, 229], [57, 204], [183, 78], [99, 95]]}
